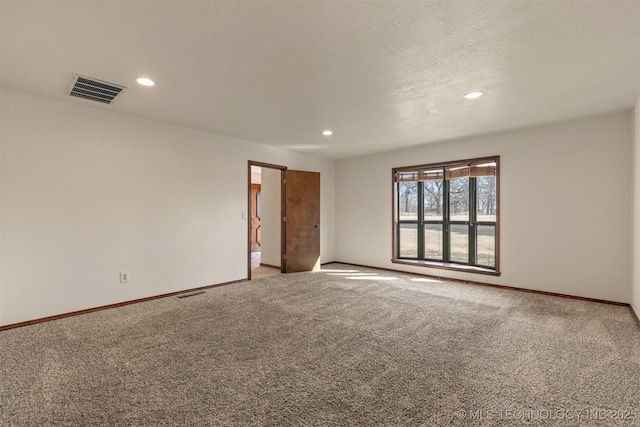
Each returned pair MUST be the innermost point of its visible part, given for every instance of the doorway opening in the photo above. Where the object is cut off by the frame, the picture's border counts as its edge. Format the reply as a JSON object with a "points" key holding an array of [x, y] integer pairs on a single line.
{"points": [[265, 220]]}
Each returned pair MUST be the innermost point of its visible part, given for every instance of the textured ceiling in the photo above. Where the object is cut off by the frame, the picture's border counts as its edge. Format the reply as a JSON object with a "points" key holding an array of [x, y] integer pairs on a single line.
{"points": [[381, 75]]}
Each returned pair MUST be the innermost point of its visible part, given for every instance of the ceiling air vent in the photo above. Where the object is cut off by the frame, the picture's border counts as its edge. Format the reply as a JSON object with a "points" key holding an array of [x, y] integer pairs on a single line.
{"points": [[95, 90]]}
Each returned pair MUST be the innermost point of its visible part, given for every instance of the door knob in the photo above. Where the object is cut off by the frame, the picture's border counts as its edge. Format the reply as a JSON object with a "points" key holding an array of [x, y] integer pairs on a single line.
{"points": [[317, 226]]}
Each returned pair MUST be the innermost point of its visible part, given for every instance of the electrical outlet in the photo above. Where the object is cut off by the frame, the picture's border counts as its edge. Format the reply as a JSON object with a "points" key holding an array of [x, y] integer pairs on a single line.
{"points": [[124, 277]]}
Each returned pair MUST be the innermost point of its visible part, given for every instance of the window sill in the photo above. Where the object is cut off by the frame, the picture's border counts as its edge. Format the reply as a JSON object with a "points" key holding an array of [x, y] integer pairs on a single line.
{"points": [[447, 266]]}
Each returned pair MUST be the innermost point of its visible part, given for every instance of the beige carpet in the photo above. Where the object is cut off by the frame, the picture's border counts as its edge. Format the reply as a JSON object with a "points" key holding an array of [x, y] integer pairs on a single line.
{"points": [[340, 347]]}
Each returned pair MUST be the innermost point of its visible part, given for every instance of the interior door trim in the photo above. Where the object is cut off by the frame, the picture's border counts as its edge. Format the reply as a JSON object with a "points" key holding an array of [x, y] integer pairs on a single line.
{"points": [[283, 174]]}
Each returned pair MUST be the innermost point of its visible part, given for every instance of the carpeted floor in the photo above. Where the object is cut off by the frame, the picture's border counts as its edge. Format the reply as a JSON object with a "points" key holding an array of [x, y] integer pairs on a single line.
{"points": [[341, 347]]}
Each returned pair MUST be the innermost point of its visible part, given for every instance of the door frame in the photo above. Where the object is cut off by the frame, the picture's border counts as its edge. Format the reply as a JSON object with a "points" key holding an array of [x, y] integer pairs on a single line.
{"points": [[283, 175]]}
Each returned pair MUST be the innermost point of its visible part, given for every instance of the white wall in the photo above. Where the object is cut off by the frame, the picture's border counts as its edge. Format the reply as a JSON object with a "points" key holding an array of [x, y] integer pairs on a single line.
{"points": [[565, 206], [635, 301], [87, 193], [256, 177], [271, 217]]}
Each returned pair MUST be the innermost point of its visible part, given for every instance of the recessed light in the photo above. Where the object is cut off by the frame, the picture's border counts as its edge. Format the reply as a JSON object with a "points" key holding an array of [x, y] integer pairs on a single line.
{"points": [[473, 95], [145, 82], [327, 133]]}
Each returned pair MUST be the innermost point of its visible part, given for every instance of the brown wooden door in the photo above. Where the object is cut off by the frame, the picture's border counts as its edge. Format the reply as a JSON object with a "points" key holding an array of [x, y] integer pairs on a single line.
{"points": [[255, 218], [302, 207]]}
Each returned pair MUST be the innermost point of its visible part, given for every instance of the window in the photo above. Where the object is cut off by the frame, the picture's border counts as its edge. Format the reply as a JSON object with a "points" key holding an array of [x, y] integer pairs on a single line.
{"points": [[446, 215]]}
